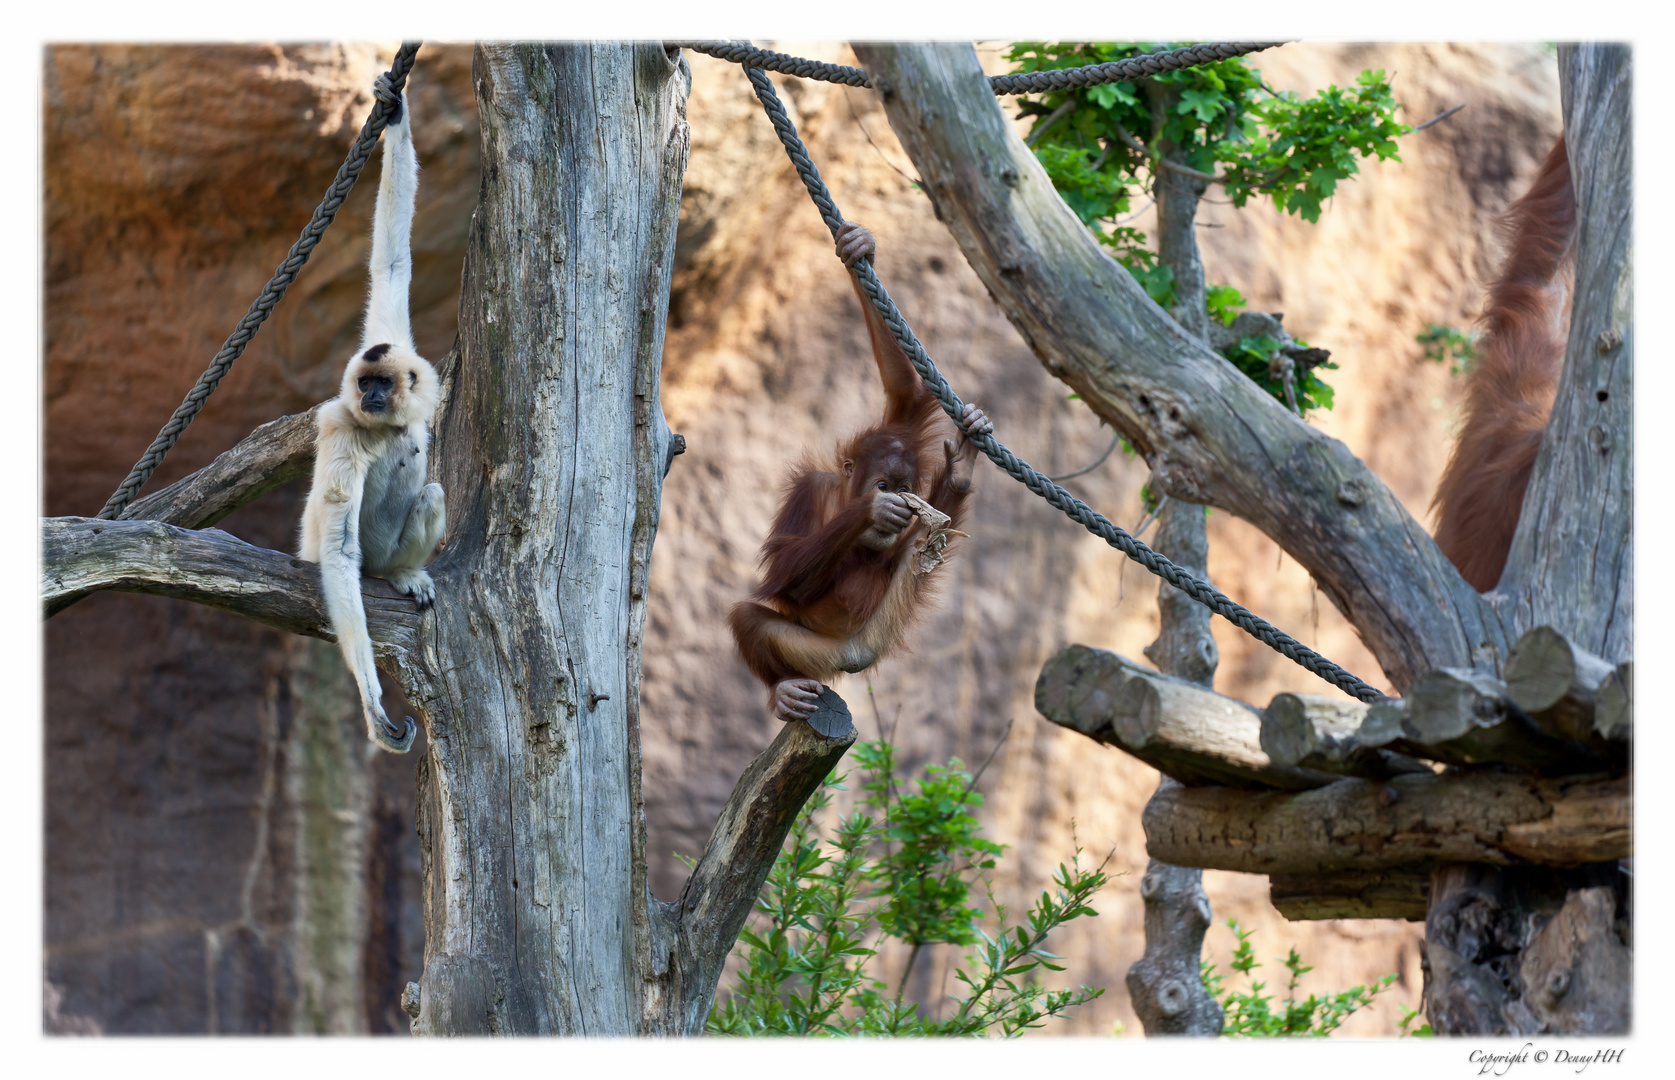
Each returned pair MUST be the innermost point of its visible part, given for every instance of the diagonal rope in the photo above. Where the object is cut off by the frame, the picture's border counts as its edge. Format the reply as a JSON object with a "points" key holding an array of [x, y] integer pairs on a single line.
{"points": [[1030, 82], [1074, 508], [387, 89]]}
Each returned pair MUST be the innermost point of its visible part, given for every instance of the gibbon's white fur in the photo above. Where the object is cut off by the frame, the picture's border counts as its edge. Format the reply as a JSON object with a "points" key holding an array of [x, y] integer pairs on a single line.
{"points": [[369, 509]]}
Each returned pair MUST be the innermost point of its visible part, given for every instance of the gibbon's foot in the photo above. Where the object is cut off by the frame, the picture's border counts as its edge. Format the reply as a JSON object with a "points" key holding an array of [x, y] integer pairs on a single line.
{"points": [[418, 585], [794, 699], [386, 734]]}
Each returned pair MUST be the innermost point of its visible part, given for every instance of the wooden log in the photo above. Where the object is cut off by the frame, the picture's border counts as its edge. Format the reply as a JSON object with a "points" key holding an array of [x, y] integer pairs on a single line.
{"points": [[1463, 717], [1555, 681], [1319, 732], [1194, 735], [1614, 708], [1481, 815], [1398, 893]]}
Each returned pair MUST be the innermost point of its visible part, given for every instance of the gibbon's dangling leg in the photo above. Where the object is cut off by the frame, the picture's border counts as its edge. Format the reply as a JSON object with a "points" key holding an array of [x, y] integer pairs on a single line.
{"points": [[1509, 392], [838, 588], [369, 509]]}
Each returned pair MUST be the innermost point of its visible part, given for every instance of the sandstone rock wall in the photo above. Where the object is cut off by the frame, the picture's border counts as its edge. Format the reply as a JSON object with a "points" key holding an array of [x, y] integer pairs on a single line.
{"points": [[224, 855]]}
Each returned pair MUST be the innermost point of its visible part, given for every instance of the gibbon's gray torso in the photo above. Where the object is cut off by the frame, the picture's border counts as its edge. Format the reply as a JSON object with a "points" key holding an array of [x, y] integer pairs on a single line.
{"points": [[392, 483]]}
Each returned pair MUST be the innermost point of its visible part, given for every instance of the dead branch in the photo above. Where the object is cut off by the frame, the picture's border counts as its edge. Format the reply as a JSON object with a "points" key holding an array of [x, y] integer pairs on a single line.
{"points": [[80, 556], [723, 887], [274, 454]]}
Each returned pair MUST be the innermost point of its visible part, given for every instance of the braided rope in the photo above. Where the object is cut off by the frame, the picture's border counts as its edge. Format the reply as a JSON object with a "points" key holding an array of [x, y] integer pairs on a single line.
{"points": [[1033, 82], [1074, 508], [387, 89]]}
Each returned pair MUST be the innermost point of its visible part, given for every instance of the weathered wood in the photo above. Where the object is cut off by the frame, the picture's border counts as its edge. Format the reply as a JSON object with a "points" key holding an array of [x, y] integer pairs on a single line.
{"points": [[1526, 951], [1397, 893], [1591, 819], [274, 454], [1184, 731], [1567, 569], [1614, 707], [552, 447], [1557, 683], [1576, 971], [723, 887], [80, 556], [1464, 717], [1210, 435], [1164, 985], [1319, 732], [1477, 816], [1573, 568]]}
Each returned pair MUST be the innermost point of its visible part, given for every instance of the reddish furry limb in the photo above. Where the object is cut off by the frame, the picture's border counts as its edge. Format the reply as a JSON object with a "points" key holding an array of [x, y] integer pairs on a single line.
{"points": [[1509, 393]]}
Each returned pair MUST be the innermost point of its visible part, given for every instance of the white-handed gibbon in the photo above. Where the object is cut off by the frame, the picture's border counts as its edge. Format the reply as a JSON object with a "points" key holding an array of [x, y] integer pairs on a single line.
{"points": [[369, 509]]}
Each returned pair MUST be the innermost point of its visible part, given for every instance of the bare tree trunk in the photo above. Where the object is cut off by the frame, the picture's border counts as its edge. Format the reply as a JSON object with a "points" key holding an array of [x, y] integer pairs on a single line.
{"points": [[1164, 984], [552, 450], [1510, 951]]}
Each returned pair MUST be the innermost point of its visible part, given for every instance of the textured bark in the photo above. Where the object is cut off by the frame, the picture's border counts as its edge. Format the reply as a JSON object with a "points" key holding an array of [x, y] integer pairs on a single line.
{"points": [[1571, 566], [748, 835], [1482, 816], [1318, 732], [1397, 893], [1463, 717], [552, 448], [1165, 986], [85, 555], [1571, 569], [1562, 687], [1527, 951], [1210, 435]]}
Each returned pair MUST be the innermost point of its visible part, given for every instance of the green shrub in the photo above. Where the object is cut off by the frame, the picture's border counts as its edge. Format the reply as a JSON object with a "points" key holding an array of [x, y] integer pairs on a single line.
{"points": [[1254, 1013], [903, 865]]}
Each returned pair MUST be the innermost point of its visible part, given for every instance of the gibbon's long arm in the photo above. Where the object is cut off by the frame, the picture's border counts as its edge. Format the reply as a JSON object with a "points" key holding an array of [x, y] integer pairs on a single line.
{"points": [[343, 479], [387, 319]]}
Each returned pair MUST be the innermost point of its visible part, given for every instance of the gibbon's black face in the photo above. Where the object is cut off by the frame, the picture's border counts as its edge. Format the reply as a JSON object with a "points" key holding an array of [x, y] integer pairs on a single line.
{"points": [[375, 391], [390, 387]]}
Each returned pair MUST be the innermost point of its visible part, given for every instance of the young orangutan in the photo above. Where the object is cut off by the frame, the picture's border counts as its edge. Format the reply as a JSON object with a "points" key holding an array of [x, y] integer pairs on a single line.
{"points": [[840, 584], [1509, 393]]}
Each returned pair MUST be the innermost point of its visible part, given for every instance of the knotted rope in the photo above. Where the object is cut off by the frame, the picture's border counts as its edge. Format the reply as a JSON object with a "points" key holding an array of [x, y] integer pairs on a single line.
{"points": [[1032, 82], [1074, 508]]}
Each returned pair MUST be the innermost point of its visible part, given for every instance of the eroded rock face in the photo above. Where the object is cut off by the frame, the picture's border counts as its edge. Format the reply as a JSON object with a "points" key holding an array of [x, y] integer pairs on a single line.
{"points": [[223, 852]]}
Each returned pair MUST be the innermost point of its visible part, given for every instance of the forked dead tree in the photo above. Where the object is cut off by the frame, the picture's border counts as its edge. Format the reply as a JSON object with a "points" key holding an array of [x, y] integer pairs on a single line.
{"points": [[1495, 813], [552, 447]]}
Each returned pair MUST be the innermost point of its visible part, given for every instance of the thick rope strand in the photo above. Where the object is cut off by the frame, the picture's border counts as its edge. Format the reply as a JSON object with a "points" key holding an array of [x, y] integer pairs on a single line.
{"points": [[387, 90], [1030, 82], [1074, 508]]}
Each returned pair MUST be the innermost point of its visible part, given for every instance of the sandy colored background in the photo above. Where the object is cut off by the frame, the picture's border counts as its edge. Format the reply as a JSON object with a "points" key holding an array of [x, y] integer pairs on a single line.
{"points": [[223, 854]]}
